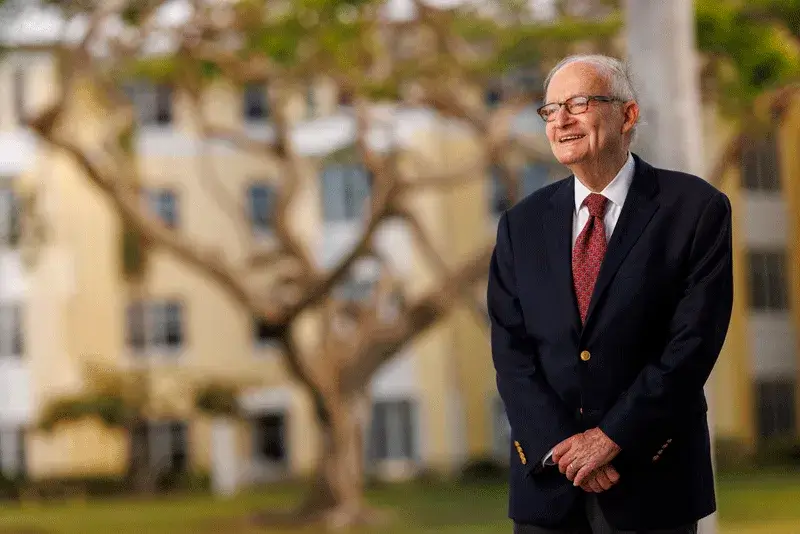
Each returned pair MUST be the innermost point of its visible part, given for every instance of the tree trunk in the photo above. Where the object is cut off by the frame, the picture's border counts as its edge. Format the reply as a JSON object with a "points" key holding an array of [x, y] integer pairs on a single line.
{"points": [[336, 498]]}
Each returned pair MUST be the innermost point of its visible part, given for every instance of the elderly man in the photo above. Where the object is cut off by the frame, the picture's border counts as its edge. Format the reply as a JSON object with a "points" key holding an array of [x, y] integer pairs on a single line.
{"points": [[610, 295]]}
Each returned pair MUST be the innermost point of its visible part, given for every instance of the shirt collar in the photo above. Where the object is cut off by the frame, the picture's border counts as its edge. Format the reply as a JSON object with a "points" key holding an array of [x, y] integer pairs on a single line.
{"points": [[615, 191]]}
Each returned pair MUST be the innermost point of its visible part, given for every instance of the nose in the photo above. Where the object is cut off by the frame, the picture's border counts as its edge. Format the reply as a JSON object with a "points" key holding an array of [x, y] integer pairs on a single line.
{"points": [[563, 118]]}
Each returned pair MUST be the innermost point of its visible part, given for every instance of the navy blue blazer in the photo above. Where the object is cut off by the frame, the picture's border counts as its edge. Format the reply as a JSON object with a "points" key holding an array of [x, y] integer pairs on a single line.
{"points": [[655, 326]]}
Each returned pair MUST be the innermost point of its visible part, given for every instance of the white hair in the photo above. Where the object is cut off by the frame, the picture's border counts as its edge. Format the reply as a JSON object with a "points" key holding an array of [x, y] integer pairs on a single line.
{"points": [[616, 72]]}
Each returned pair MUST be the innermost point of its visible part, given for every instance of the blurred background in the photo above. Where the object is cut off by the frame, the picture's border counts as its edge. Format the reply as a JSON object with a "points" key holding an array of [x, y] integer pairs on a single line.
{"points": [[244, 244]]}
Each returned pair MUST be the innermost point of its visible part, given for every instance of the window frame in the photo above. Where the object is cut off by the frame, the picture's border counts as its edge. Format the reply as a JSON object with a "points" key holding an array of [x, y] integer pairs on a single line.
{"points": [[155, 198], [271, 200], [255, 98], [783, 409], [758, 154], [12, 330], [768, 291], [156, 319], [397, 445]]}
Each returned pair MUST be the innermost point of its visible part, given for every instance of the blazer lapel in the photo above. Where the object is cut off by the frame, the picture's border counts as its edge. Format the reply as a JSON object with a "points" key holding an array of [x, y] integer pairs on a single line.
{"points": [[558, 232], [640, 206]]}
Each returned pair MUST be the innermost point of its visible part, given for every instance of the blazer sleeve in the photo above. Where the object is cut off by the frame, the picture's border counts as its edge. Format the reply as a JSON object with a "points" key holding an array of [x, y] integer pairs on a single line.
{"points": [[539, 419], [666, 388]]}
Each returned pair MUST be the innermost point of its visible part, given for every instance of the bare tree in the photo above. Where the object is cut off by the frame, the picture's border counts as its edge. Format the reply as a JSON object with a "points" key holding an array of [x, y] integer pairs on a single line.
{"points": [[438, 58]]}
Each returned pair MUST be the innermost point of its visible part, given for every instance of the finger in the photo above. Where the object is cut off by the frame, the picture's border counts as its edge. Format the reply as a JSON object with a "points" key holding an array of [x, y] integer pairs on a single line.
{"points": [[566, 460], [595, 485], [561, 449], [602, 480], [582, 474], [560, 452], [612, 474], [572, 471]]}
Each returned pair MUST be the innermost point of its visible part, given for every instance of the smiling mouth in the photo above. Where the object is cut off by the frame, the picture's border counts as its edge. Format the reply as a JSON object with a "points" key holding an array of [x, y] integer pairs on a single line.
{"points": [[570, 138]]}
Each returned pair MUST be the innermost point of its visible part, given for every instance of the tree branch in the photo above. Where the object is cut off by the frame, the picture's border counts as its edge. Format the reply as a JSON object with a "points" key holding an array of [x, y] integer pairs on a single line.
{"points": [[386, 340], [438, 262], [443, 180], [208, 179]]}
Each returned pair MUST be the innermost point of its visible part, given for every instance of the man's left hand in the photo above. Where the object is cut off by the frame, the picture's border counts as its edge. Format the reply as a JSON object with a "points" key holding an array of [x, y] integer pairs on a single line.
{"points": [[580, 455]]}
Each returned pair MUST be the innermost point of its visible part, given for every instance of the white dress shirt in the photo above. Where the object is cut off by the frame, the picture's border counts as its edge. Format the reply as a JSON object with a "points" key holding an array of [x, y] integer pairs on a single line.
{"points": [[616, 192]]}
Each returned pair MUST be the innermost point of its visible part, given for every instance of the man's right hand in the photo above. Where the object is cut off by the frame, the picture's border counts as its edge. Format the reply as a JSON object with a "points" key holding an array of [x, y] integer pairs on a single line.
{"points": [[602, 479]]}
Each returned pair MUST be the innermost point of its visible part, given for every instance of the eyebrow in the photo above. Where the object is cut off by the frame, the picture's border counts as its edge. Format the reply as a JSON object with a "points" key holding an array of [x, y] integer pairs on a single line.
{"points": [[570, 96]]}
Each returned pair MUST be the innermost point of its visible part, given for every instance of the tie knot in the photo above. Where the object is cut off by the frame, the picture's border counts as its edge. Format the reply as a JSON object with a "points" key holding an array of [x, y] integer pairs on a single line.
{"points": [[596, 204]]}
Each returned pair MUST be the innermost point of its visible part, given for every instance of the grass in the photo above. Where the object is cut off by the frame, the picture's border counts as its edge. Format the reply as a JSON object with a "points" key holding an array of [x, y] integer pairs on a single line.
{"points": [[748, 504]]}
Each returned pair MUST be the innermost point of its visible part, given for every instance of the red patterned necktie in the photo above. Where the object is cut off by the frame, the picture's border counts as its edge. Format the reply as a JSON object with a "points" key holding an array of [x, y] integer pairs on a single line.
{"points": [[587, 255]]}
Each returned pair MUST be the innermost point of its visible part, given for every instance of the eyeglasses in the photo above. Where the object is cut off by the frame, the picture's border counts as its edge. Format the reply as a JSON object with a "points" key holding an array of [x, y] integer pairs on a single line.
{"points": [[575, 106]]}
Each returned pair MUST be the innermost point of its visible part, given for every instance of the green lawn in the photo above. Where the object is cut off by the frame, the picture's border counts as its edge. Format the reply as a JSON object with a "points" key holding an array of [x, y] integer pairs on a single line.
{"points": [[749, 504]]}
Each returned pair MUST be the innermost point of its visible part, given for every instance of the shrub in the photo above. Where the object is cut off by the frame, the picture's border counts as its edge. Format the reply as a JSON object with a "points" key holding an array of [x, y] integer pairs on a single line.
{"points": [[778, 451], [483, 469], [732, 454]]}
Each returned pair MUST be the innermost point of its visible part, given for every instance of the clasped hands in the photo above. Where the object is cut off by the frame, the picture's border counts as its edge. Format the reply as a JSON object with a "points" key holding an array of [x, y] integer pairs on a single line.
{"points": [[584, 458]]}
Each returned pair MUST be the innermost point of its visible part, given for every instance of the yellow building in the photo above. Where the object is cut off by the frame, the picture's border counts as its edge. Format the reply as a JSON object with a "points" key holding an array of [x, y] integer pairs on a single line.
{"points": [[70, 301], [756, 382], [435, 405]]}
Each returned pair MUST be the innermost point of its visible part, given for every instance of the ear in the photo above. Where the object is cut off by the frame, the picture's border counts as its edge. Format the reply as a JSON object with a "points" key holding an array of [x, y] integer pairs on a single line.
{"points": [[630, 112]]}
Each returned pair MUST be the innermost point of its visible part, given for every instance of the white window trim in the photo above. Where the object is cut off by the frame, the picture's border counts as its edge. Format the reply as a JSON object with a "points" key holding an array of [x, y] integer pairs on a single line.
{"points": [[11, 319], [153, 329]]}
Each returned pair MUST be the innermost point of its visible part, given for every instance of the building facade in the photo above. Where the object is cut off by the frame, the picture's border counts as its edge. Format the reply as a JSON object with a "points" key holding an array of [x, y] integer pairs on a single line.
{"points": [[757, 379], [70, 302]]}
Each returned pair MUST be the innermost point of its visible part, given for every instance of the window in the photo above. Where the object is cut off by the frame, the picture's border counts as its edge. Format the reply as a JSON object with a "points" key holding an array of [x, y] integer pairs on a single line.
{"points": [[12, 452], [152, 102], [345, 98], [19, 94], [493, 97], [393, 431], [775, 402], [261, 203], [768, 287], [311, 102], [345, 190], [499, 192], [533, 177], [269, 438], [256, 106], [9, 217], [163, 445], [760, 165], [164, 204], [353, 289], [11, 337], [155, 326], [265, 334], [501, 430]]}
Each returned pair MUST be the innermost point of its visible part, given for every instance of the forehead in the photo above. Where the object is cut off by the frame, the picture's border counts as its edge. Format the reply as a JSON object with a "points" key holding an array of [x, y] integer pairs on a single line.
{"points": [[576, 79]]}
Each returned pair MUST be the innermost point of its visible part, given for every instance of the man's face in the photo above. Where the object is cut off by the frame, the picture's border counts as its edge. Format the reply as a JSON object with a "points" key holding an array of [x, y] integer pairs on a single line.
{"points": [[591, 136]]}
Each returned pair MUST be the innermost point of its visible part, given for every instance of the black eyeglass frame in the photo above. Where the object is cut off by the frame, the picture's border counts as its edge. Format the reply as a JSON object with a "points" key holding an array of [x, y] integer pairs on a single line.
{"points": [[571, 103]]}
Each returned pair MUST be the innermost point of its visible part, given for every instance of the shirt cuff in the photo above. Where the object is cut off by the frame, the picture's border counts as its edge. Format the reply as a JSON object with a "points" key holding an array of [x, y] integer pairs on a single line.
{"points": [[548, 459]]}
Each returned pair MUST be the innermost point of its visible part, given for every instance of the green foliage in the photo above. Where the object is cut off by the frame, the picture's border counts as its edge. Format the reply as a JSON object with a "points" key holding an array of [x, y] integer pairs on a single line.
{"points": [[748, 53], [329, 33], [217, 398], [112, 410], [785, 12], [134, 253], [483, 469], [732, 454], [158, 69], [778, 451]]}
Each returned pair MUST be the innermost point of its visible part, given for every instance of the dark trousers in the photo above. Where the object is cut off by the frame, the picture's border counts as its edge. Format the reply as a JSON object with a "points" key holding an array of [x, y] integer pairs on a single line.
{"points": [[595, 523]]}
